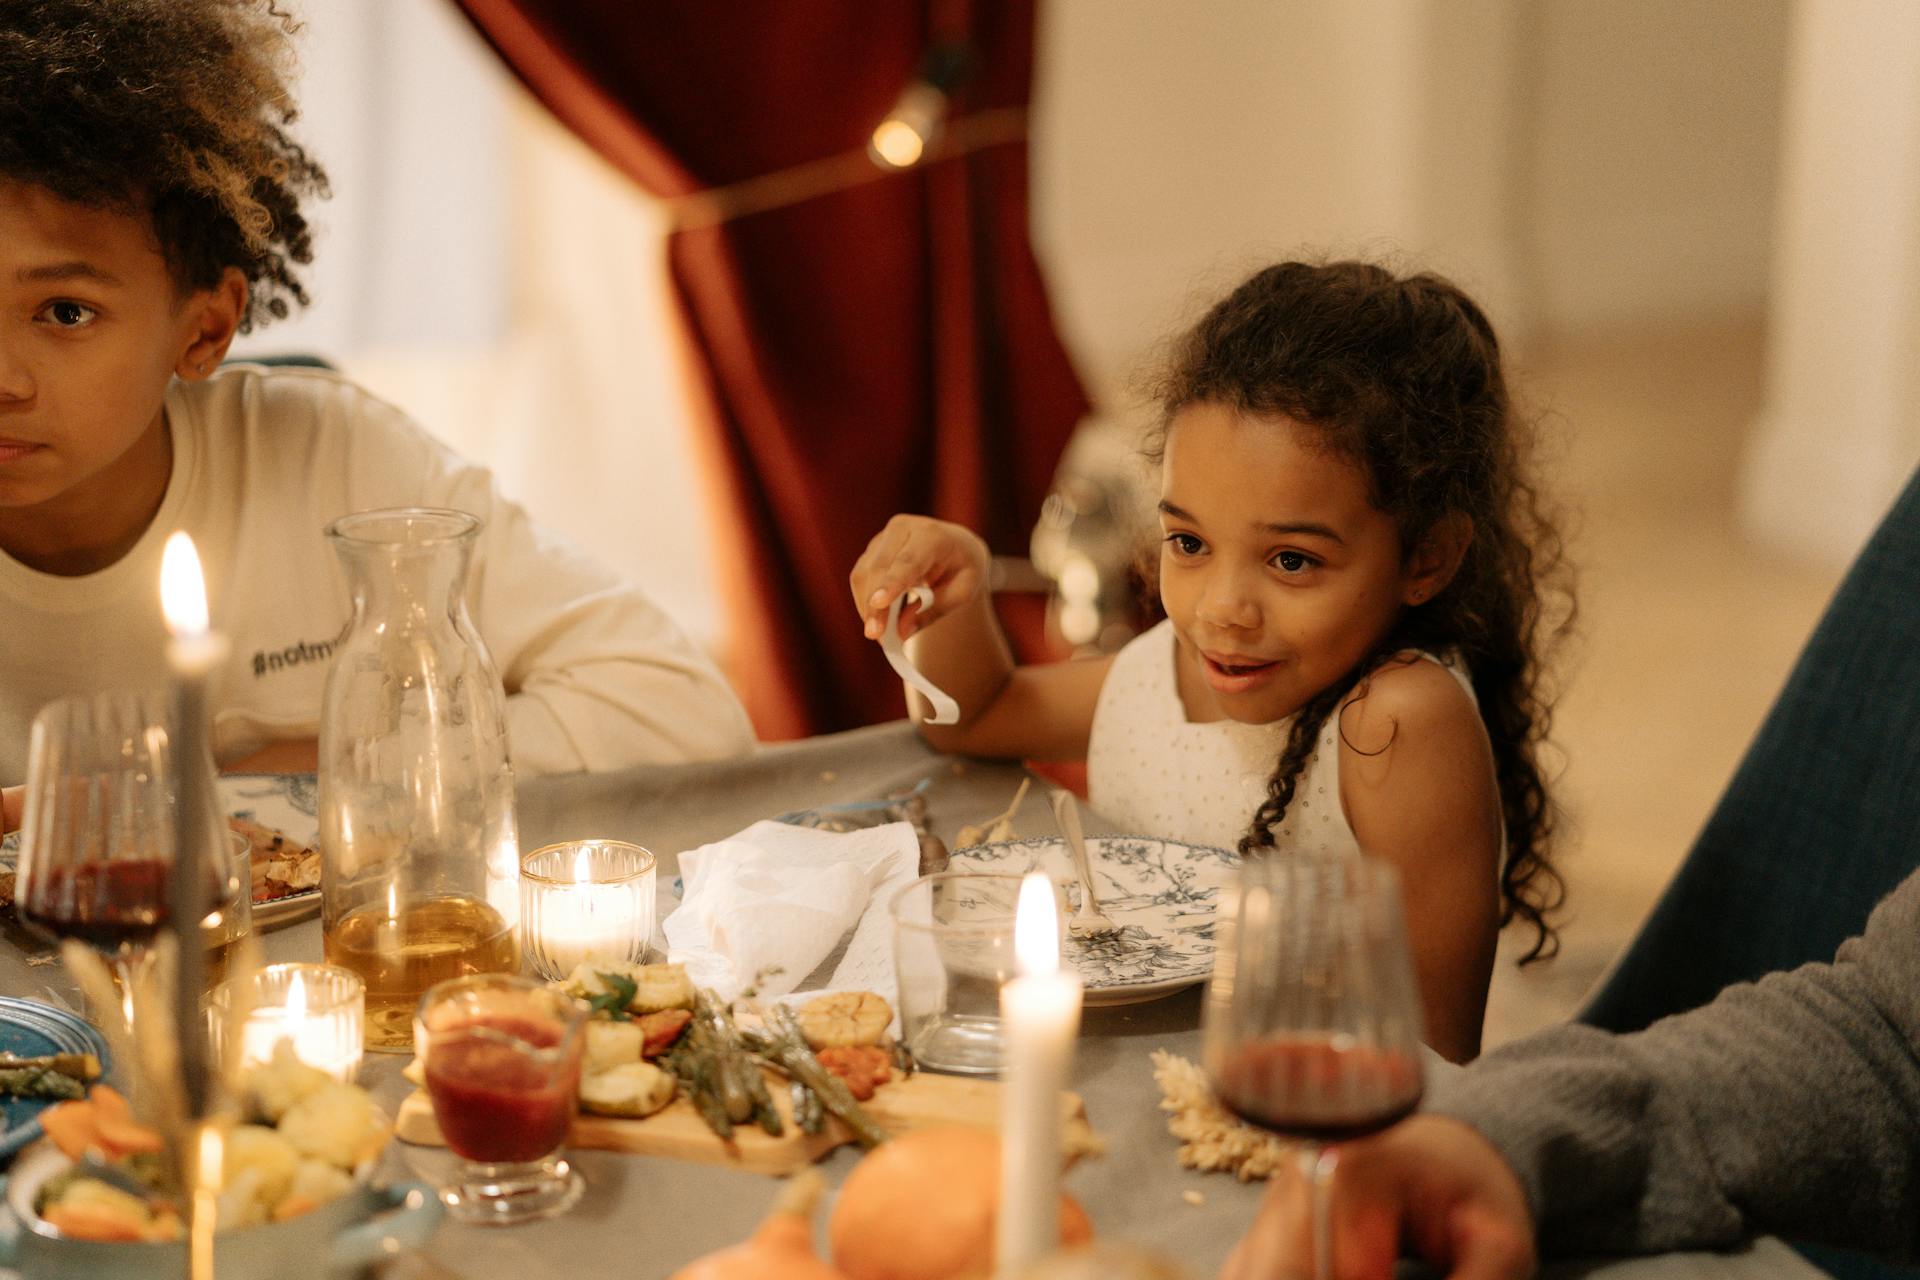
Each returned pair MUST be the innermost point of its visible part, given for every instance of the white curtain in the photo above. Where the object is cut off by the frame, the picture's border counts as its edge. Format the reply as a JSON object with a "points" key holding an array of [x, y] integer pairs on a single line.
{"points": [[483, 270]]}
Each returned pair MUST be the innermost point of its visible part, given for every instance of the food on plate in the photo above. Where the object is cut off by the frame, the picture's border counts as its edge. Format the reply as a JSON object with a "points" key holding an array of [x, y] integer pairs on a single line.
{"points": [[610, 1044], [281, 866], [89, 1209], [631, 988], [722, 1078], [661, 1029], [102, 1122], [631, 1089], [780, 1249], [845, 1018], [270, 1172], [615, 1078], [864, 1067], [782, 1044], [337, 1123], [273, 1087], [923, 1206], [58, 1075]]}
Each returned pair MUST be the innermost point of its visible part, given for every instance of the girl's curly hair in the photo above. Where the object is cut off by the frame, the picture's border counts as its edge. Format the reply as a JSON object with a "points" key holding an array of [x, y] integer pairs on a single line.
{"points": [[1403, 376], [177, 109]]}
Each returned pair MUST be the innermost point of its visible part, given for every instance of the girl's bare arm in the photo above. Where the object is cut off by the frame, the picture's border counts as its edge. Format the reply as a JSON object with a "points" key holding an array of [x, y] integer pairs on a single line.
{"points": [[1416, 779], [1035, 713]]}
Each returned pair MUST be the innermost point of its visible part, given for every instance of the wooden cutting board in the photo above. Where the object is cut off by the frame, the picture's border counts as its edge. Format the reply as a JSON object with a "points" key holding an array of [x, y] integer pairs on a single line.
{"points": [[921, 1101]]}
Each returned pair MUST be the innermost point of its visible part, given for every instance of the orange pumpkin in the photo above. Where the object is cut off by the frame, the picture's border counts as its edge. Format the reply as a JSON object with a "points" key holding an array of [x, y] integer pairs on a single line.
{"points": [[922, 1207], [782, 1247]]}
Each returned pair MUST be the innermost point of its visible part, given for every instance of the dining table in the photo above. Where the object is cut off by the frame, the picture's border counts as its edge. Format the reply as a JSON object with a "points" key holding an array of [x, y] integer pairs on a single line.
{"points": [[645, 1216]]}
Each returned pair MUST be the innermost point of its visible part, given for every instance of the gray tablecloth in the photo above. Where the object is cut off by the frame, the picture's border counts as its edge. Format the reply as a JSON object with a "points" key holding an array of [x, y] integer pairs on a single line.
{"points": [[644, 1217]]}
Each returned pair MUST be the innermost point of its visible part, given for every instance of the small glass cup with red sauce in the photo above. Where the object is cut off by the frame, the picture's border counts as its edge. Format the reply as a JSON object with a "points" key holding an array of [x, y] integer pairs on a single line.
{"points": [[502, 1060]]}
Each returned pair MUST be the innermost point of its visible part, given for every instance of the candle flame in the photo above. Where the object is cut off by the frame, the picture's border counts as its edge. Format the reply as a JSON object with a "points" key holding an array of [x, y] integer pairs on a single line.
{"points": [[583, 865], [296, 1001], [183, 588], [213, 1150], [1036, 926]]}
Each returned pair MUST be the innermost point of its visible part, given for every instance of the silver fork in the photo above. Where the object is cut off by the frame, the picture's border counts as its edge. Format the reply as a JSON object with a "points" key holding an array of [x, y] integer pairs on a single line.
{"points": [[1089, 919]]}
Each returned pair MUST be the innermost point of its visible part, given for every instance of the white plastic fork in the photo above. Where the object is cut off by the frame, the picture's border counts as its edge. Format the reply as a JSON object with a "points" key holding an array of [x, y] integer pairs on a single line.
{"points": [[1088, 920]]}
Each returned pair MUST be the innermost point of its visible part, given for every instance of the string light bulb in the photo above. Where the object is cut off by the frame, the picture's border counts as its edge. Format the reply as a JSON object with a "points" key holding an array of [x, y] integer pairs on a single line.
{"points": [[908, 131]]}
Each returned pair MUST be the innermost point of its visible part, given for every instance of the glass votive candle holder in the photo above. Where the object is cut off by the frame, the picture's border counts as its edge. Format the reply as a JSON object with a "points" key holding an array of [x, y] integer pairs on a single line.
{"points": [[321, 1009], [585, 900]]}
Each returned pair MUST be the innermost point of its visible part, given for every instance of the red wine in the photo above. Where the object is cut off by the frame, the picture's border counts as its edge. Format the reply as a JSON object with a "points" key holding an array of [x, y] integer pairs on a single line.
{"points": [[106, 905], [1318, 1089]]}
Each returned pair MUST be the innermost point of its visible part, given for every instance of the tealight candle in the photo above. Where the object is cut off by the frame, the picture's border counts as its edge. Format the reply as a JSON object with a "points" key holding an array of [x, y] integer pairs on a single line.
{"points": [[585, 900], [319, 1008], [1039, 1017]]}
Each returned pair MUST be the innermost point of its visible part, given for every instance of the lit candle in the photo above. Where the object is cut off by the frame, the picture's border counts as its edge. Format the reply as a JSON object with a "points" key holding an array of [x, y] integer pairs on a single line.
{"points": [[192, 654], [1039, 1016], [319, 1009], [585, 900]]}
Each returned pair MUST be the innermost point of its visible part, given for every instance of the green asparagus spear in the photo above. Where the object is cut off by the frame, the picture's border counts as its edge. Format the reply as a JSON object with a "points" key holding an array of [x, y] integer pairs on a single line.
{"points": [[83, 1067], [790, 1046], [39, 1082], [807, 1111]]}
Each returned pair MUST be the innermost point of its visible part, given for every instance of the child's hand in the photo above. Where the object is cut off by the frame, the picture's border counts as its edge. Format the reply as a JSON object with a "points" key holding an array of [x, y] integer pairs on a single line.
{"points": [[912, 550]]}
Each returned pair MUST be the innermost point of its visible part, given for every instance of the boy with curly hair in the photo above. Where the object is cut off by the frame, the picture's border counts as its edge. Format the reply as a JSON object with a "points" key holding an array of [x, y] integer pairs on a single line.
{"points": [[150, 208]]}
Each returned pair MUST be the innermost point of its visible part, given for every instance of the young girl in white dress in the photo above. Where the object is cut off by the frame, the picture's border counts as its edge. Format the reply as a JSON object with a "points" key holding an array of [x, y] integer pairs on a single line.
{"points": [[1355, 575]]}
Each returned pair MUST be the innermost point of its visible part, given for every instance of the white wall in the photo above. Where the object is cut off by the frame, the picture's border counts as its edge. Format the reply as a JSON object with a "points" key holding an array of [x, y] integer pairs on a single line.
{"points": [[1652, 135], [1573, 163], [1177, 147]]}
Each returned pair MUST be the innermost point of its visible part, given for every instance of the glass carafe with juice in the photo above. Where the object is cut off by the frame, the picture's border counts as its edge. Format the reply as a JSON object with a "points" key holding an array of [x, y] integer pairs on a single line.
{"points": [[419, 857]]}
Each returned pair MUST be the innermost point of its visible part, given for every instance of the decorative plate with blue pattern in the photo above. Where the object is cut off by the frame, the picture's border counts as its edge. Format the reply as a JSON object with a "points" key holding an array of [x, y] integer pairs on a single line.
{"points": [[1162, 893], [29, 1029]]}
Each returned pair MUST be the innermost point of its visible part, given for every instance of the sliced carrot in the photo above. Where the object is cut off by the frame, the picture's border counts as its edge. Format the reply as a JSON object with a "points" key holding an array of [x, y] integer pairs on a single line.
{"points": [[72, 1127], [119, 1134], [93, 1222]]}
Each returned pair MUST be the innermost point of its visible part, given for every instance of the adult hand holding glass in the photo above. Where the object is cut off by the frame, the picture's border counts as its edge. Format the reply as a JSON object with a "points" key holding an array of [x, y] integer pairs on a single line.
{"points": [[1430, 1181]]}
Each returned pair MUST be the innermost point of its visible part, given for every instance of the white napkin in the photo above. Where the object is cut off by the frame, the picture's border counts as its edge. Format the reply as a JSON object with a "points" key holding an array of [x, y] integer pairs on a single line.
{"points": [[945, 709], [783, 895]]}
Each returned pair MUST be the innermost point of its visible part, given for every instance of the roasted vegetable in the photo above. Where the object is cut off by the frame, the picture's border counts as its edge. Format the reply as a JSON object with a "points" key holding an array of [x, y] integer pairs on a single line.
{"points": [[40, 1082], [632, 1089], [784, 1044]]}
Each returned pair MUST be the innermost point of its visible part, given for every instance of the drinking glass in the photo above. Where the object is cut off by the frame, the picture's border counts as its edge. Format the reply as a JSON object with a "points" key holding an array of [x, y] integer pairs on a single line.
{"points": [[97, 841], [502, 1060], [1312, 1019], [952, 950]]}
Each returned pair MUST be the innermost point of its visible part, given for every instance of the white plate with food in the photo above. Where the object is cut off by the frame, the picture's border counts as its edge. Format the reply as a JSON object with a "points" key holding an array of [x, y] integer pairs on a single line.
{"points": [[278, 813], [1163, 894]]}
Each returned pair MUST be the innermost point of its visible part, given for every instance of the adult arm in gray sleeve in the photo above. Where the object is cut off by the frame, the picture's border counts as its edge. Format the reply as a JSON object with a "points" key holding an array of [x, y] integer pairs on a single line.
{"points": [[1789, 1106]]}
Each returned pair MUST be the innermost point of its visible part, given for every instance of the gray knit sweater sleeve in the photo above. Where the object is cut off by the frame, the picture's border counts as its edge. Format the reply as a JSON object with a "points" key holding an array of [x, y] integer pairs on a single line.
{"points": [[1790, 1106]]}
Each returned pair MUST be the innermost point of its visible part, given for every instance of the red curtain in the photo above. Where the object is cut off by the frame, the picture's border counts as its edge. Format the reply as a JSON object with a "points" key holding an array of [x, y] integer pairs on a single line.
{"points": [[882, 344]]}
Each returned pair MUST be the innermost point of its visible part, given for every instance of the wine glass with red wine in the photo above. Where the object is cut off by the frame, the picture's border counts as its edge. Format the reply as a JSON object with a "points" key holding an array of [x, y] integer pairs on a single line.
{"points": [[97, 836], [1312, 1022]]}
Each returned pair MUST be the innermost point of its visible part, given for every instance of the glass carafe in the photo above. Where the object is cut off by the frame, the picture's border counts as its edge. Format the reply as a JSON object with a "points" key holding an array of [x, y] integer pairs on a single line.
{"points": [[419, 855]]}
